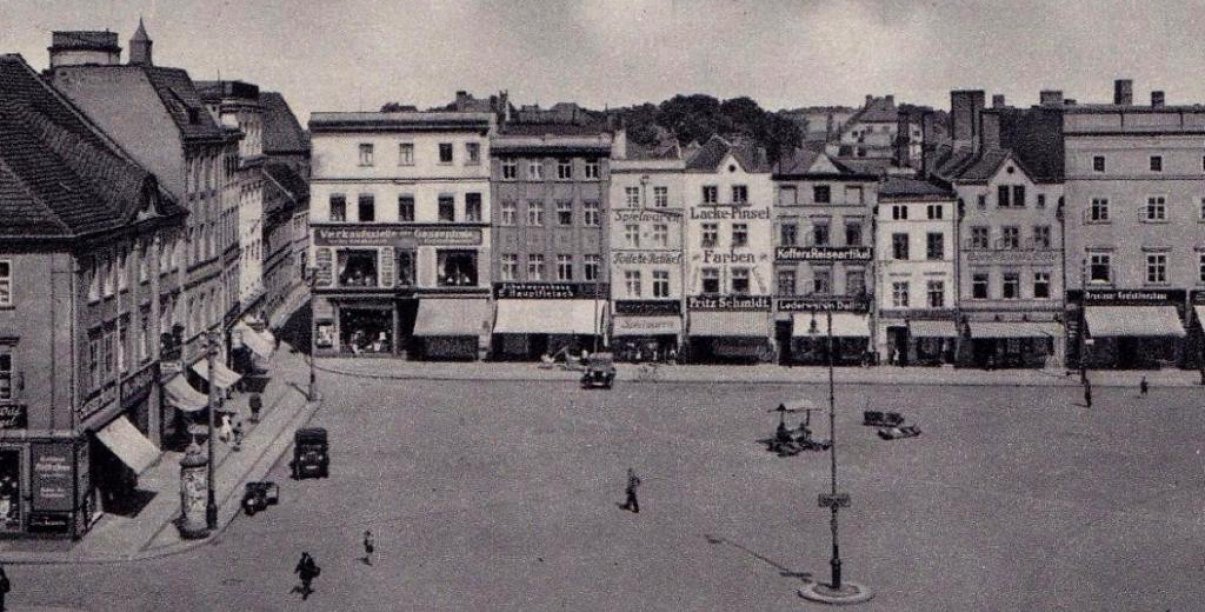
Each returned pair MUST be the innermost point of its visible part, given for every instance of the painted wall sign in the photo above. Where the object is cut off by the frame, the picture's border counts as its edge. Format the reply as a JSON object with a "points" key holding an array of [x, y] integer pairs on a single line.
{"points": [[14, 416], [52, 476], [641, 258], [632, 216], [396, 235], [97, 402], [647, 326], [712, 257], [730, 214], [728, 302], [550, 291], [326, 268], [807, 304], [1124, 297], [648, 307], [823, 253], [137, 387], [1007, 256]]}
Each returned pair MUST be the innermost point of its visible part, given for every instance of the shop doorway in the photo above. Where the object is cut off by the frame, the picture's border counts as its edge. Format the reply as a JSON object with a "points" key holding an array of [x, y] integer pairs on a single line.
{"points": [[407, 313], [10, 490], [897, 345], [366, 330], [782, 336]]}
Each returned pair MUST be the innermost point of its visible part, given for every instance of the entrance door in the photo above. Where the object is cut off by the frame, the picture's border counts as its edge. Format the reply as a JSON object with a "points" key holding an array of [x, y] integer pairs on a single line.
{"points": [[782, 335], [897, 345], [1128, 356], [407, 312]]}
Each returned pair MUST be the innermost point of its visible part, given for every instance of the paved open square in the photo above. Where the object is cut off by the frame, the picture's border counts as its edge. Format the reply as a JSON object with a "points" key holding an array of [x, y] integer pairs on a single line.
{"points": [[506, 495]]}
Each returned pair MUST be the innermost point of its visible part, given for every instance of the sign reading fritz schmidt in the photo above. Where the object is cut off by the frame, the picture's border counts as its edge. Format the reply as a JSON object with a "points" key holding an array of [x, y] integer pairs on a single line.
{"points": [[823, 253], [728, 302], [395, 235]]}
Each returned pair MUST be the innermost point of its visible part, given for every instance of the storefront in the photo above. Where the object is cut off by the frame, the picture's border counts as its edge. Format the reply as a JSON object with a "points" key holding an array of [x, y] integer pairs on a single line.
{"points": [[533, 320], [919, 337], [451, 328], [729, 329], [62, 501], [1196, 352], [647, 330], [1130, 329], [802, 329], [1013, 343]]}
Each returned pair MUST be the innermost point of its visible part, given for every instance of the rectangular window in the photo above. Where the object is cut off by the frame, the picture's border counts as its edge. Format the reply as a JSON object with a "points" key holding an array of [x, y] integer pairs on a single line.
{"points": [[456, 268], [1156, 208], [338, 207], [981, 201], [510, 169], [472, 153], [979, 285], [786, 282], [1156, 163], [1156, 268], [788, 234], [591, 264], [509, 269], [535, 170], [123, 264], [564, 169], [447, 208], [1010, 237], [1041, 200], [509, 213], [820, 233], [365, 154], [822, 194], [660, 283], [106, 281], [631, 197], [1201, 212], [94, 361], [740, 235], [740, 281], [535, 214], [899, 246], [934, 211], [564, 212], [1011, 286], [592, 169], [1098, 163], [899, 212], [405, 154], [1003, 194], [980, 237], [445, 152], [1201, 268], [1041, 237], [661, 197], [711, 280], [855, 282], [935, 246], [1100, 268], [631, 283], [711, 194], [6, 374], [936, 291], [1041, 285], [660, 234], [472, 207], [564, 267], [144, 267], [822, 281], [123, 338], [367, 208], [591, 217], [357, 268], [899, 295], [853, 233], [405, 268], [1099, 211], [1019, 196], [631, 235], [405, 208], [740, 194], [711, 235]]}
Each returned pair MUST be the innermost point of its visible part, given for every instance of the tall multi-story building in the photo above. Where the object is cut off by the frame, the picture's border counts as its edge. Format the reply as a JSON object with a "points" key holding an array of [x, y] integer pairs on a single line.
{"points": [[157, 115], [916, 287], [1135, 213], [550, 189], [647, 226], [400, 240], [729, 252], [287, 147], [88, 278], [823, 258]]}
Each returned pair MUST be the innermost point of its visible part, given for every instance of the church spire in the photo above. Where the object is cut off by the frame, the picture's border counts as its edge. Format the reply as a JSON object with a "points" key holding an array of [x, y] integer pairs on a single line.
{"points": [[140, 46]]}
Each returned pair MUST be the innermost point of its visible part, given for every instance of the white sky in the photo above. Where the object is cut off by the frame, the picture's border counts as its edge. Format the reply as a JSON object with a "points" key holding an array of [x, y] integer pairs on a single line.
{"points": [[358, 54]]}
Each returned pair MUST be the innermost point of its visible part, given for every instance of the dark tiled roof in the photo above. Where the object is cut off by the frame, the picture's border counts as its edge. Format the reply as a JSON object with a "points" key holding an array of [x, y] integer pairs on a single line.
{"points": [[867, 165], [84, 39], [905, 187], [877, 110], [983, 166], [282, 132], [59, 175], [183, 102], [549, 129], [707, 158], [286, 177]]}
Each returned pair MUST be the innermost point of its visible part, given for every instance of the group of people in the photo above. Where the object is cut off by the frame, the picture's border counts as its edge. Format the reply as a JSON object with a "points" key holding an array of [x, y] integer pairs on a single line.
{"points": [[638, 353]]}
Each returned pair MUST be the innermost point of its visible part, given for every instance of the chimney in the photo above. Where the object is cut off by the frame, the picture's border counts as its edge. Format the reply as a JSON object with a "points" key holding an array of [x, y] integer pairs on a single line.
{"points": [[1050, 97], [1123, 92], [990, 124], [998, 101], [84, 47], [1157, 99], [903, 140], [140, 47], [1069, 102], [965, 106], [461, 98], [891, 100], [928, 144]]}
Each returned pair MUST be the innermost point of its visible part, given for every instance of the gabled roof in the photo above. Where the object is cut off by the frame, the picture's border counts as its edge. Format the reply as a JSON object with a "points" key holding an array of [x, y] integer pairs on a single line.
{"points": [[987, 164], [59, 174], [806, 160], [182, 101], [879, 110], [711, 154], [282, 132], [287, 179]]}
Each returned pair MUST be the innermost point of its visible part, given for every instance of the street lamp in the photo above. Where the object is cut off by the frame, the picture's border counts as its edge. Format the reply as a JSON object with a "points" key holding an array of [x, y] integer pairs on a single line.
{"points": [[211, 353], [312, 389]]}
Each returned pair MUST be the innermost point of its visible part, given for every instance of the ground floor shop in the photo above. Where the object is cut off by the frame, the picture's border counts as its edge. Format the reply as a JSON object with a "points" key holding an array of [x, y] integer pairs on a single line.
{"points": [[640, 338], [905, 341], [1130, 329], [804, 338], [534, 329], [998, 342], [417, 327], [741, 336]]}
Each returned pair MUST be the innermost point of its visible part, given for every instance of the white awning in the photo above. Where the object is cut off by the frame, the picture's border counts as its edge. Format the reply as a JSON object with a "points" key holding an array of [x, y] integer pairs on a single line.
{"points": [[224, 378], [1015, 329], [670, 325], [932, 329], [845, 325], [181, 395], [254, 340], [1134, 321], [1200, 308], [128, 444], [578, 317], [752, 324], [448, 317]]}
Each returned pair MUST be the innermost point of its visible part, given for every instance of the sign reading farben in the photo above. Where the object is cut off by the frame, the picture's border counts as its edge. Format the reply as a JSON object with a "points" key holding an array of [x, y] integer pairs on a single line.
{"points": [[823, 253]]}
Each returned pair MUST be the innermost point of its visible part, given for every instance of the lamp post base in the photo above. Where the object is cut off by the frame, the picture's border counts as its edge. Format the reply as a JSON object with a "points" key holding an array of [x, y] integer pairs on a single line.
{"points": [[849, 593]]}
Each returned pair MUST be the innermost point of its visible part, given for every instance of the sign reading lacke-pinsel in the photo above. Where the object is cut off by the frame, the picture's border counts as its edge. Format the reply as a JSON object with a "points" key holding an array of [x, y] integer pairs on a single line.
{"points": [[823, 253]]}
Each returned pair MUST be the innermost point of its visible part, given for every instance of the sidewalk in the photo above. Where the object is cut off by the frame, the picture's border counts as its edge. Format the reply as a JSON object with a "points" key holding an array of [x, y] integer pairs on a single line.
{"points": [[152, 532], [387, 368]]}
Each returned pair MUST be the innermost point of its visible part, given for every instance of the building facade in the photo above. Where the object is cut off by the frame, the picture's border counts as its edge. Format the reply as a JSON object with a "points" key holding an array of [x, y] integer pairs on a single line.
{"points": [[550, 184], [400, 240]]}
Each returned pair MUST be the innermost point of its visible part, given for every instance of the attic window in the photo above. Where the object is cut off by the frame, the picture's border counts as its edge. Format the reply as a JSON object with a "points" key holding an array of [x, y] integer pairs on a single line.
{"points": [[732, 167], [193, 115], [1010, 170]]}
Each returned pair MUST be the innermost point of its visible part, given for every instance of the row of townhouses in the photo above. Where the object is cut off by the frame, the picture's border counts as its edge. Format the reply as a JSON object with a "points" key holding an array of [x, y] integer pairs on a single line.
{"points": [[1050, 236], [149, 220]]}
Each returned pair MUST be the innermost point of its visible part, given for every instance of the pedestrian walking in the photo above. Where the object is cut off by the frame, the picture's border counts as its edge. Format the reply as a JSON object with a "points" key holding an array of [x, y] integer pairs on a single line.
{"points": [[1143, 387], [256, 403], [225, 431], [369, 547], [308, 570], [1088, 394], [631, 503], [4, 587], [238, 435]]}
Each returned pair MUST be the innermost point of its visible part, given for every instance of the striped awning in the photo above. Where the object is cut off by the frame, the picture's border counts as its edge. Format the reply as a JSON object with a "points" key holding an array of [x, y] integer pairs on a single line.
{"points": [[223, 376]]}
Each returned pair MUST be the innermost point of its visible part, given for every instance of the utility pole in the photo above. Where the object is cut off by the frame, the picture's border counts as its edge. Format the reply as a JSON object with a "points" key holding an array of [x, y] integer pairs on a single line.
{"points": [[211, 352]]}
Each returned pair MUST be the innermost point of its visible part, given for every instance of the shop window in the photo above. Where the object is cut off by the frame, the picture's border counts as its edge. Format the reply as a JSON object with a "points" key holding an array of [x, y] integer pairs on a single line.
{"points": [[564, 169], [822, 194], [564, 267], [406, 273], [6, 282], [936, 291], [535, 213], [591, 264], [447, 208], [472, 153], [509, 213], [788, 234], [855, 282], [365, 330], [660, 197], [1100, 268], [591, 217], [853, 233], [457, 268], [368, 208], [338, 207], [357, 268], [820, 233], [510, 169], [6, 374], [740, 235], [1041, 285], [445, 153], [899, 295], [979, 285], [405, 208], [592, 169], [711, 280], [631, 235], [740, 281], [509, 268], [1156, 268], [935, 246], [564, 212], [472, 207], [535, 267], [10, 490], [1011, 288], [661, 234], [740, 194], [660, 283], [711, 235], [822, 281], [786, 282], [899, 246], [631, 283]]}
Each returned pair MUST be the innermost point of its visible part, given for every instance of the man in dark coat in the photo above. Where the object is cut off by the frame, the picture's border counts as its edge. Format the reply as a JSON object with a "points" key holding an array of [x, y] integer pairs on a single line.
{"points": [[307, 569], [633, 482], [1088, 394]]}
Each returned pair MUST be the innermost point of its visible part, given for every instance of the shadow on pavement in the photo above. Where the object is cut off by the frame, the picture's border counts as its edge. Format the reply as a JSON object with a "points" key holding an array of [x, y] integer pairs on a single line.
{"points": [[783, 570]]}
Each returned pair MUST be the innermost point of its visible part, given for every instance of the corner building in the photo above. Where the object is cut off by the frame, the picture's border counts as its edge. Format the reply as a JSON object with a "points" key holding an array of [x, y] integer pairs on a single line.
{"points": [[400, 240]]}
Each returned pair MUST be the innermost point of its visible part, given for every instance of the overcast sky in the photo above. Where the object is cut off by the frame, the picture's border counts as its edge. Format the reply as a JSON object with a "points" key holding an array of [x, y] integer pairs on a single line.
{"points": [[357, 54]]}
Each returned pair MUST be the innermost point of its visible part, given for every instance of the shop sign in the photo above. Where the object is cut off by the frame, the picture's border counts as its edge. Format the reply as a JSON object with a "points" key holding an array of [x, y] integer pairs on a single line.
{"points": [[1198, 297], [549, 291], [14, 416], [52, 476], [728, 302], [648, 326], [823, 253], [135, 388], [730, 214], [448, 236], [398, 236], [633, 216], [1011, 256], [648, 307], [810, 304], [732, 257], [97, 402], [1123, 297], [325, 274], [50, 522], [643, 258]]}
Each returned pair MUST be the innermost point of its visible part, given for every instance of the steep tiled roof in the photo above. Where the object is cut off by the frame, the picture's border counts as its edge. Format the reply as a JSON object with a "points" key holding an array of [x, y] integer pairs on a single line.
{"points": [[877, 110], [59, 175], [905, 187], [282, 132], [983, 166], [284, 176], [182, 101], [708, 157]]}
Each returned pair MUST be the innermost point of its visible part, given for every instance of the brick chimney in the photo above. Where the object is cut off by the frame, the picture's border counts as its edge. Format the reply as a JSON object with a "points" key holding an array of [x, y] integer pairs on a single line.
{"points": [[1050, 97], [965, 106], [1157, 99], [903, 140], [1123, 92], [989, 123], [998, 101], [928, 144]]}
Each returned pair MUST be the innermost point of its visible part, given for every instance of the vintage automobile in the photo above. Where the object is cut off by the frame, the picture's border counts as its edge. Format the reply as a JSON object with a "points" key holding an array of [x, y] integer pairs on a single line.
{"points": [[600, 371], [897, 433], [259, 495], [877, 418], [311, 453]]}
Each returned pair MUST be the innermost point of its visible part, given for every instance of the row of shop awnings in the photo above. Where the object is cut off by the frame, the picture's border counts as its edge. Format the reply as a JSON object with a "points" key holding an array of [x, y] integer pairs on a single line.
{"points": [[187, 399], [133, 448], [1136, 321], [260, 343]]}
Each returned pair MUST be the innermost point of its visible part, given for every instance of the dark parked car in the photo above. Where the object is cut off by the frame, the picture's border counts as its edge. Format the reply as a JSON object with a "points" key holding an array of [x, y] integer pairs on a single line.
{"points": [[259, 495], [600, 371], [311, 453]]}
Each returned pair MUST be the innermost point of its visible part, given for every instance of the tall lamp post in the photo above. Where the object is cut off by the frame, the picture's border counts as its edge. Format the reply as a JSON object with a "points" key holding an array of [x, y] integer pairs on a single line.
{"points": [[211, 352], [312, 389]]}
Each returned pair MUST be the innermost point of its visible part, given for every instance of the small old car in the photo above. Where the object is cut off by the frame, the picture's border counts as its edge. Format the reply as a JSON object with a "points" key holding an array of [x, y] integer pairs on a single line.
{"points": [[899, 433], [600, 371], [259, 495], [877, 418], [311, 453]]}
